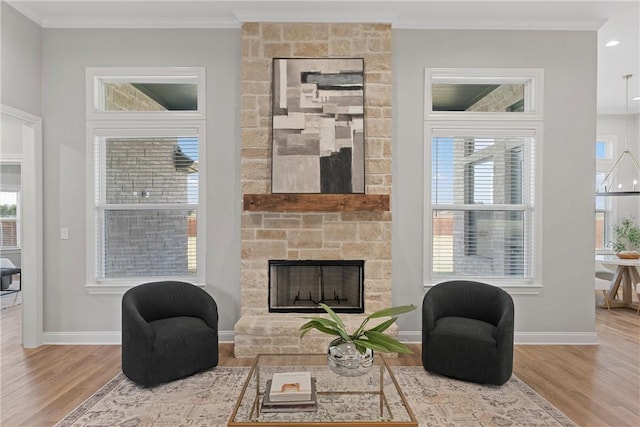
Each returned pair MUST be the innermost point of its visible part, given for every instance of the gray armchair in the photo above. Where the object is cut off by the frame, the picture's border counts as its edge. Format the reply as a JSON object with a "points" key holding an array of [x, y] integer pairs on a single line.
{"points": [[467, 332], [169, 331]]}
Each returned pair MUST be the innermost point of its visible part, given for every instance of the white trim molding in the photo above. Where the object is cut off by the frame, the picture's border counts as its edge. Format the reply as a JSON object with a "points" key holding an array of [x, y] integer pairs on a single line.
{"points": [[407, 337], [523, 289], [105, 338], [524, 338], [121, 288], [556, 338], [32, 263]]}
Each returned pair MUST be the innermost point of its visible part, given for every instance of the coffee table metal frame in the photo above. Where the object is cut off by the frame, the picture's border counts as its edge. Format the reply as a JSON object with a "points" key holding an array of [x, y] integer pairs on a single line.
{"points": [[309, 359]]}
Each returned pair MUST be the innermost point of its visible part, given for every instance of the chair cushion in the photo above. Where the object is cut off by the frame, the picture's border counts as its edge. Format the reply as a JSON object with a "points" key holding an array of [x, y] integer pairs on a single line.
{"points": [[605, 275], [465, 329], [180, 329]]}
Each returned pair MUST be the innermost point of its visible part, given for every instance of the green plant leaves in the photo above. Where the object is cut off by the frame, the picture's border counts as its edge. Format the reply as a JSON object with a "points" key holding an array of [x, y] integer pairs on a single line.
{"points": [[627, 236], [384, 325], [333, 315], [372, 338], [377, 341], [393, 311], [323, 325]]}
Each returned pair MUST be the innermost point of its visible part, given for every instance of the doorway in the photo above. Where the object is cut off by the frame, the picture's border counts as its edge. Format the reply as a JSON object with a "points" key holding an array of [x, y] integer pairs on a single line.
{"points": [[21, 143]]}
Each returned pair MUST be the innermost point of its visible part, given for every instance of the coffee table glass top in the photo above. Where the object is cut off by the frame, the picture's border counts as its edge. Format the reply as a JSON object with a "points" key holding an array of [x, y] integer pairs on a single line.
{"points": [[372, 398]]}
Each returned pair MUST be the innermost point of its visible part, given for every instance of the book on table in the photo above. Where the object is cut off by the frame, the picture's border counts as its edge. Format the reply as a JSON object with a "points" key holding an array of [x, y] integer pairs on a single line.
{"points": [[290, 386], [307, 405]]}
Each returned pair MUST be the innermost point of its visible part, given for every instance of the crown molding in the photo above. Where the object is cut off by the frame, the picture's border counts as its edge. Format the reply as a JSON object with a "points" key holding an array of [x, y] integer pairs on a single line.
{"points": [[462, 24], [307, 15], [296, 11], [27, 10], [144, 23]]}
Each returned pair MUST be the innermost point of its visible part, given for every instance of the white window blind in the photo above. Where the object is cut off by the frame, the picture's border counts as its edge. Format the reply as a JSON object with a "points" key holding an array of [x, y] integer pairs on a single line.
{"points": [[147, 203], [482, 203]]}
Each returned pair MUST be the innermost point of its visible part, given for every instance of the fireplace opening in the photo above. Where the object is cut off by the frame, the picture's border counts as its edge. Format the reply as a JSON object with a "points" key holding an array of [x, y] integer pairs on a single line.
{"points": [[299, 286]]}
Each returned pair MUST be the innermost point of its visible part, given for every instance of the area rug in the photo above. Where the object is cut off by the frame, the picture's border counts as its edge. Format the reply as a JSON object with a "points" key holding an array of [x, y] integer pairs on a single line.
{"points": [[208, 398]]}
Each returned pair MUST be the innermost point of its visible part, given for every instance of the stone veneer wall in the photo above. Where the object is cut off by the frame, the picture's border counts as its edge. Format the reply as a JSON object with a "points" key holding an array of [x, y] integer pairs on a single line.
{"points": [[310, 235]]}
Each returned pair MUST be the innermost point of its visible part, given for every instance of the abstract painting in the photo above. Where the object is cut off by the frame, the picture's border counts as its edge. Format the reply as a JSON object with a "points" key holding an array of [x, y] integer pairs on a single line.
{"points": [[318, 125]]}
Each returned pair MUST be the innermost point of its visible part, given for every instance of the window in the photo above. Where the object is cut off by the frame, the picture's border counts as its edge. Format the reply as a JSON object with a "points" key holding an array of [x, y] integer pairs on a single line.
{"points": [[481, 203], [10, 219], [605, 147], [10, 206], [480, 214], [146, 172], [481, 94], [145, 92]]}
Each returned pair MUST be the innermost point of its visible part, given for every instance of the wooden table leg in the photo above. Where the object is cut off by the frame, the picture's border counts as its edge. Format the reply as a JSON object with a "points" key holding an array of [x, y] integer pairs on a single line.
{"points": [[610, 297], [634, 277], [627, 276]]}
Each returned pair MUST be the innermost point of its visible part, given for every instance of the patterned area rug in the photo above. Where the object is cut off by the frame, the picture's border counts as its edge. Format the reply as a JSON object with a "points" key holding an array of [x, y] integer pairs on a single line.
{"points": [[208, 398]]}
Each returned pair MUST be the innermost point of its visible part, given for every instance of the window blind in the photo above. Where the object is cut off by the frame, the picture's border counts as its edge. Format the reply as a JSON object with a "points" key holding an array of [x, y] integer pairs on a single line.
{"points": [[481, 201], [146, 219]]}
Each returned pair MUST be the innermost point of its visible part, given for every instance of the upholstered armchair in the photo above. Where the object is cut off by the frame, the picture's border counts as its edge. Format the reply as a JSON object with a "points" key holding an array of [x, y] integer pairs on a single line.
{"points": [[169, 331], [467, 332]]}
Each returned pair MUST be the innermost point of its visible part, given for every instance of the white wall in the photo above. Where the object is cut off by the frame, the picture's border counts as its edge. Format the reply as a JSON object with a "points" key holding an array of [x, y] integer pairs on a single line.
{"points": [[11, 142], [68, 308], [21, 61], [564, 309]]}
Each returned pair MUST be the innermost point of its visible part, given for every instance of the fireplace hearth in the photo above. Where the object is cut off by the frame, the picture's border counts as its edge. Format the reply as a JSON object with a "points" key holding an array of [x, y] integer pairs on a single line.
{"points": [[298, 286]]}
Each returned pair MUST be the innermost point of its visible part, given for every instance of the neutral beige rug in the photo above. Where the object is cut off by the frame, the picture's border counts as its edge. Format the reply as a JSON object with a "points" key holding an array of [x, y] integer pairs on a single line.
{"points": [[208, 398]]}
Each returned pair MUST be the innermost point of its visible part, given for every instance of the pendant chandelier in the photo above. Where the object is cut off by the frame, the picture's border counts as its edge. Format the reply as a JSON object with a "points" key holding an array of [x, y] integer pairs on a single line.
{"points": [[612, 185]]}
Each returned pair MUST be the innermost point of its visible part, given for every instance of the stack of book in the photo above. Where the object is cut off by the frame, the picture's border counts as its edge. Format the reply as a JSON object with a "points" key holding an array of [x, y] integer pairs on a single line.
{"points": [[290, 392]]}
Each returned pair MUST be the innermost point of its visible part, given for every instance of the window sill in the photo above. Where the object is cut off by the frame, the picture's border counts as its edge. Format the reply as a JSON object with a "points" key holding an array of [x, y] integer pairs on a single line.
{"points": [[517, 289], [117, 289]]}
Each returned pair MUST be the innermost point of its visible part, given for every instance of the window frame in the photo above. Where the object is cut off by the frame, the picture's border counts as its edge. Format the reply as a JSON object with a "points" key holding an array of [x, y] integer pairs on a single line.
{"points": [[456, 123], [14, 189], [603, 166], [95, 90], [532, 79], [140, 124]]}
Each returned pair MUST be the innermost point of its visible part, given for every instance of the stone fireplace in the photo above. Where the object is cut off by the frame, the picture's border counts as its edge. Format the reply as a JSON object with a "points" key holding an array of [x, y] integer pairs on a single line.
{"points": [[311, 227]]}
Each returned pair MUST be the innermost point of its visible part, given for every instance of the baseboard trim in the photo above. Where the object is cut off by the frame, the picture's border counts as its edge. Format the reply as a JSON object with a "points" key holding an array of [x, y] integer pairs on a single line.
{"points": [[103, 338], [556, 338], [408, 337], [82, 338], [525, 338]]}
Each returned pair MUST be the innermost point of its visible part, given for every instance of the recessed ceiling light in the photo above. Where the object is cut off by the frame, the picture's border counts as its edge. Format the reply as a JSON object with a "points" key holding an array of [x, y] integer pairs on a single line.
{"points": [[612, 43], [637, 98]]}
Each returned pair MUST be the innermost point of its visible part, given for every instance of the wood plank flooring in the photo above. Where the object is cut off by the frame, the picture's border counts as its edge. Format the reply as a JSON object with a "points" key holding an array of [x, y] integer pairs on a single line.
{"points": [[593, 385]]}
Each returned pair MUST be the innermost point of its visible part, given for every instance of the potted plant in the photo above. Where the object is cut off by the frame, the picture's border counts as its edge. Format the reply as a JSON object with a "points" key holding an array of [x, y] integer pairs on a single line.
{"points": [[627, 239], [351, 354]]}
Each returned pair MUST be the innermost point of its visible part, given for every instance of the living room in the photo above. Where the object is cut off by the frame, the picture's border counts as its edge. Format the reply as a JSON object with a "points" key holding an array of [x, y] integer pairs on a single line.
{"points": [[44, 74]]}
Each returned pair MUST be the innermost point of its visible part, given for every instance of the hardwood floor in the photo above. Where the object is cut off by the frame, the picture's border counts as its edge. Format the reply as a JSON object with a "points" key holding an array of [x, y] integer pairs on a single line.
{"points": [[593, 385]]}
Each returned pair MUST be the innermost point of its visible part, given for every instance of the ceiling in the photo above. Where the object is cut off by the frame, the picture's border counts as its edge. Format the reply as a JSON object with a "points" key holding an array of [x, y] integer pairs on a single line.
{"points": [[612, 19]]}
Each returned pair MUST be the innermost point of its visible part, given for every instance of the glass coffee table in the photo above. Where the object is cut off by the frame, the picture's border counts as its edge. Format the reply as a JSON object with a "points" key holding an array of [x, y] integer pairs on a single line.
{"points": [[369, 399]]}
